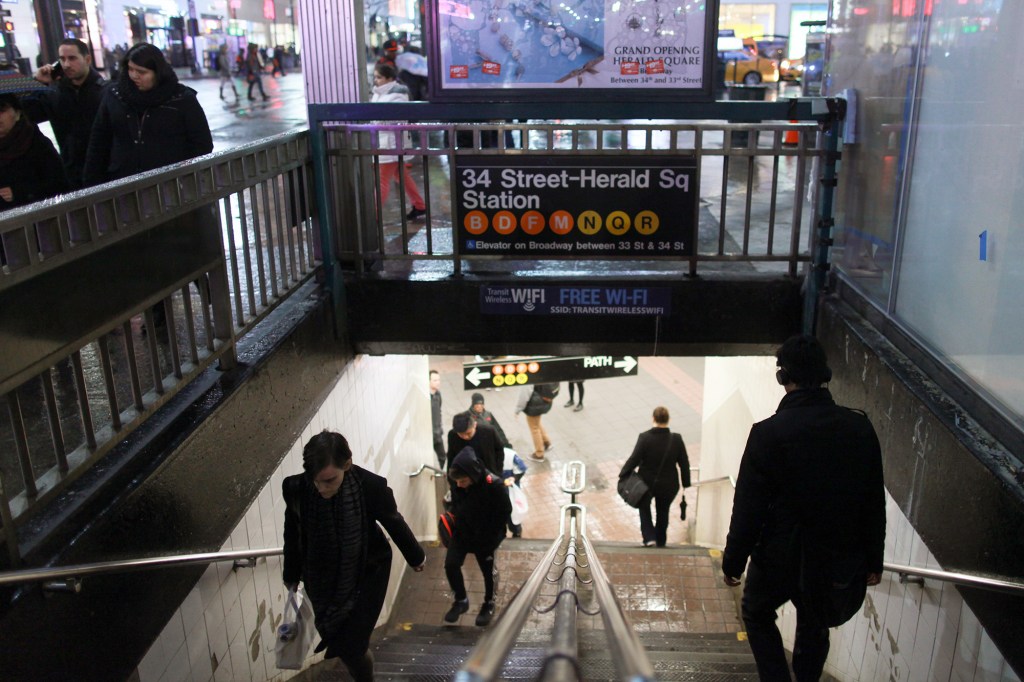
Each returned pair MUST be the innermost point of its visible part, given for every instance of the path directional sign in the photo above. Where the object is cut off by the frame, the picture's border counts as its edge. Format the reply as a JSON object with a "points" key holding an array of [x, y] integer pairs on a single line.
{"points": [[545, 370]]}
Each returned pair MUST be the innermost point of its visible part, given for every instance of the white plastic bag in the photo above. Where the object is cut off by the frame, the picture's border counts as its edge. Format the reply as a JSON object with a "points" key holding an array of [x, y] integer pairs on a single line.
{"points": [[295, 634], [520, 505]]}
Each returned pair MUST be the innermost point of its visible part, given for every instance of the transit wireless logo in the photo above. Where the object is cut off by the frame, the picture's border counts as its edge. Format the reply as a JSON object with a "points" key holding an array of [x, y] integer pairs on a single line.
{"points": [[583, 300], [528, 298]]}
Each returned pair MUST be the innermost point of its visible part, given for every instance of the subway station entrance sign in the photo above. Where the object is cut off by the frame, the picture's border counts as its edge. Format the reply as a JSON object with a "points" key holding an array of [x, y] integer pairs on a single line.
{"points": [[562, 206]]}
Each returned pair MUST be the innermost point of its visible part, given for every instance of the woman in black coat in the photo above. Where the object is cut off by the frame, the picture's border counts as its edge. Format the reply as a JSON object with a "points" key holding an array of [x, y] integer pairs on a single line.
{"points": [[30, 167], [657, 454], [334, 545], [147, 120]]}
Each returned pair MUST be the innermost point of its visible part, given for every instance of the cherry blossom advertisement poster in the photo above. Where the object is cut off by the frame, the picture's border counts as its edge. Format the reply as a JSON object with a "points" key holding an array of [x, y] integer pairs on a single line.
{"points": [[573, 45]]}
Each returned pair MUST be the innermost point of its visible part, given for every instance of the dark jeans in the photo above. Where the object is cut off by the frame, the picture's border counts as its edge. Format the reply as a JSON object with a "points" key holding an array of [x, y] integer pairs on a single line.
{"points": [[439, 451], [453, 561], [258, 82], [573, 385], [655, 531], [761, 597]]}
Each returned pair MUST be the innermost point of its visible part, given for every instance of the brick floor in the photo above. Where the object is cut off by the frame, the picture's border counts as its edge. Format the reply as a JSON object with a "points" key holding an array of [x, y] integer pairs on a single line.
{"points": [[661, 590]]}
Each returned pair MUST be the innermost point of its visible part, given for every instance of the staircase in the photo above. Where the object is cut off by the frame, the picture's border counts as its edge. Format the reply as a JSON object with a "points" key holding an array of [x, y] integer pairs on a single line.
{"points": [[685, 618]]}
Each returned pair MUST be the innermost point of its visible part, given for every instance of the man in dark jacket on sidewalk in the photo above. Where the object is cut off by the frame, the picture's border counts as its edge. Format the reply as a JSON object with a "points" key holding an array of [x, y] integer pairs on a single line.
{"points": [[809, 504], [70, 104], [481, 506]]}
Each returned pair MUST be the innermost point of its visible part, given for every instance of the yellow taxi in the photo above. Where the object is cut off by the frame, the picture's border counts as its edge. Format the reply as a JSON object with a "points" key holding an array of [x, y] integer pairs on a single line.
{"points": [[749, 69], [791, 69]]}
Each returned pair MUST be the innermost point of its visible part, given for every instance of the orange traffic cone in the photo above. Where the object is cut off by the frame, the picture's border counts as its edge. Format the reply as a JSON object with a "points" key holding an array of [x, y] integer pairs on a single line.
{"points": [[791, 137]]}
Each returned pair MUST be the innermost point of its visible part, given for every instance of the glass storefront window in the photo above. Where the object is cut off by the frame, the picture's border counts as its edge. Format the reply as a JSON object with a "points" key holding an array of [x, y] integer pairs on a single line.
{"points": [[747, 19], [871, 52], [962, 261], [931, 183], [798, 33]]}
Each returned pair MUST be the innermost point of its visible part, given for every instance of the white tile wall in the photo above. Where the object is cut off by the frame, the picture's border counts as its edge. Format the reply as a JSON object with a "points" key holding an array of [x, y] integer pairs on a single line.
{"points": [[904, 632], [224, 630]]}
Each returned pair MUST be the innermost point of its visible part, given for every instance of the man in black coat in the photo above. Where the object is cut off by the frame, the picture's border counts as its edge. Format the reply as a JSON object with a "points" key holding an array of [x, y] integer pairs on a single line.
{"points": [[810, 502], [70, 104], [333, 543], [481, 415], [482, 438], [481, 506], [658, 453]]}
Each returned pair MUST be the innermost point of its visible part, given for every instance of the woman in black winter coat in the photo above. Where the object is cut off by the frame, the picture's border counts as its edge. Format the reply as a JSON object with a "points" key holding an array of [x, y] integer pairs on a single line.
{"points": [[147, 120], [481, 506], [657, 454], [30, 167], [333, 543]]}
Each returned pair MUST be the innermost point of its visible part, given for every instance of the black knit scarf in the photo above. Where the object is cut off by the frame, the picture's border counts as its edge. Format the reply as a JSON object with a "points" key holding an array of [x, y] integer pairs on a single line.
{"points": [[139, 101], [337, 544], [16, 143]]}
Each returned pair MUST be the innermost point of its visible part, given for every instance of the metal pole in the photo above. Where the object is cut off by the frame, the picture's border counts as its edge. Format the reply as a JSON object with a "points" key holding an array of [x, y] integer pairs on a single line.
{"points": [[331, 268], [823, 243]]}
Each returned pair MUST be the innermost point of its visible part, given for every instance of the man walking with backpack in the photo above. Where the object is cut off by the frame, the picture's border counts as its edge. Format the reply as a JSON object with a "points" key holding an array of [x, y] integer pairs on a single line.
{"points": [[535, 401], [809, 512]]}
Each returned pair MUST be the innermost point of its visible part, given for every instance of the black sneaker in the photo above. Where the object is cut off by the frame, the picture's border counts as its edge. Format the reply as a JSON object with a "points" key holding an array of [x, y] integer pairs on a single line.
{"points": [[416, 214], [458, 608], [483, 619]]}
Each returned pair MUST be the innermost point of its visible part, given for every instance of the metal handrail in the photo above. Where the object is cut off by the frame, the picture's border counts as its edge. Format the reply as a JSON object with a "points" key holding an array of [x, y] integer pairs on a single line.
{"points": [[993, 583], [79, 571], [423, 467], [916, 574], [574, 478], [629, 654], [486, 658], [731, 480]]}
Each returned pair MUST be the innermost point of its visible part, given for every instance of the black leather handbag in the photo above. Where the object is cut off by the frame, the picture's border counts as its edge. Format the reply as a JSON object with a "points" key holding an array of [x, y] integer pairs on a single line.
{"points": [[632, 489]]}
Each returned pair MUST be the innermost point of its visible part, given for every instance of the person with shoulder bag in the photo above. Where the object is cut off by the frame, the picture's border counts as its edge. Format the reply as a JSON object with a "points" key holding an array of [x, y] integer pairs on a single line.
{"points": [[656, 455], [535, 401]]}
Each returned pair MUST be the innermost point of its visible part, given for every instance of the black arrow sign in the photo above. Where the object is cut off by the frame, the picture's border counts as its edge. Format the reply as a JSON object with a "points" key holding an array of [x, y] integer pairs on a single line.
{"points": [[545, 370]]}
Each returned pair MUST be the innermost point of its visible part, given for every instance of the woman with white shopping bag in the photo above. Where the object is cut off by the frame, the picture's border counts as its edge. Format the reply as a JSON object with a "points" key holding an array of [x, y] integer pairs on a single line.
{"points": [[512, 473], [334, 545]]}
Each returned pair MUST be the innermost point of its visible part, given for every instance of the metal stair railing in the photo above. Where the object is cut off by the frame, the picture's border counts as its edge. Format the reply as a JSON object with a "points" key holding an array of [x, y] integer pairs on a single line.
{"points": [[69, 578], [488, 656], [90, 381], [573, 557]]}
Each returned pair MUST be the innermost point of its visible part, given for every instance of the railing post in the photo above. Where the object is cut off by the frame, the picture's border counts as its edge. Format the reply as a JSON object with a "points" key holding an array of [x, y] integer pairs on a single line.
{"points": [[220, 301], [321, 184], [823, 243]]}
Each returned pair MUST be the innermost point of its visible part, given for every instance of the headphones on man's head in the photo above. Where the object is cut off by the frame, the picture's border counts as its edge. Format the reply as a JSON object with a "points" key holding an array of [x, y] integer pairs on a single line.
{"points": [[782, 376]]}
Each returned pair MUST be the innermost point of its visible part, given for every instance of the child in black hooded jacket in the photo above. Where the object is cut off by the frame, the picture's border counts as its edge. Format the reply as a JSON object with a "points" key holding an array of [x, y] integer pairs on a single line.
{"points": [[481, 506]]}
